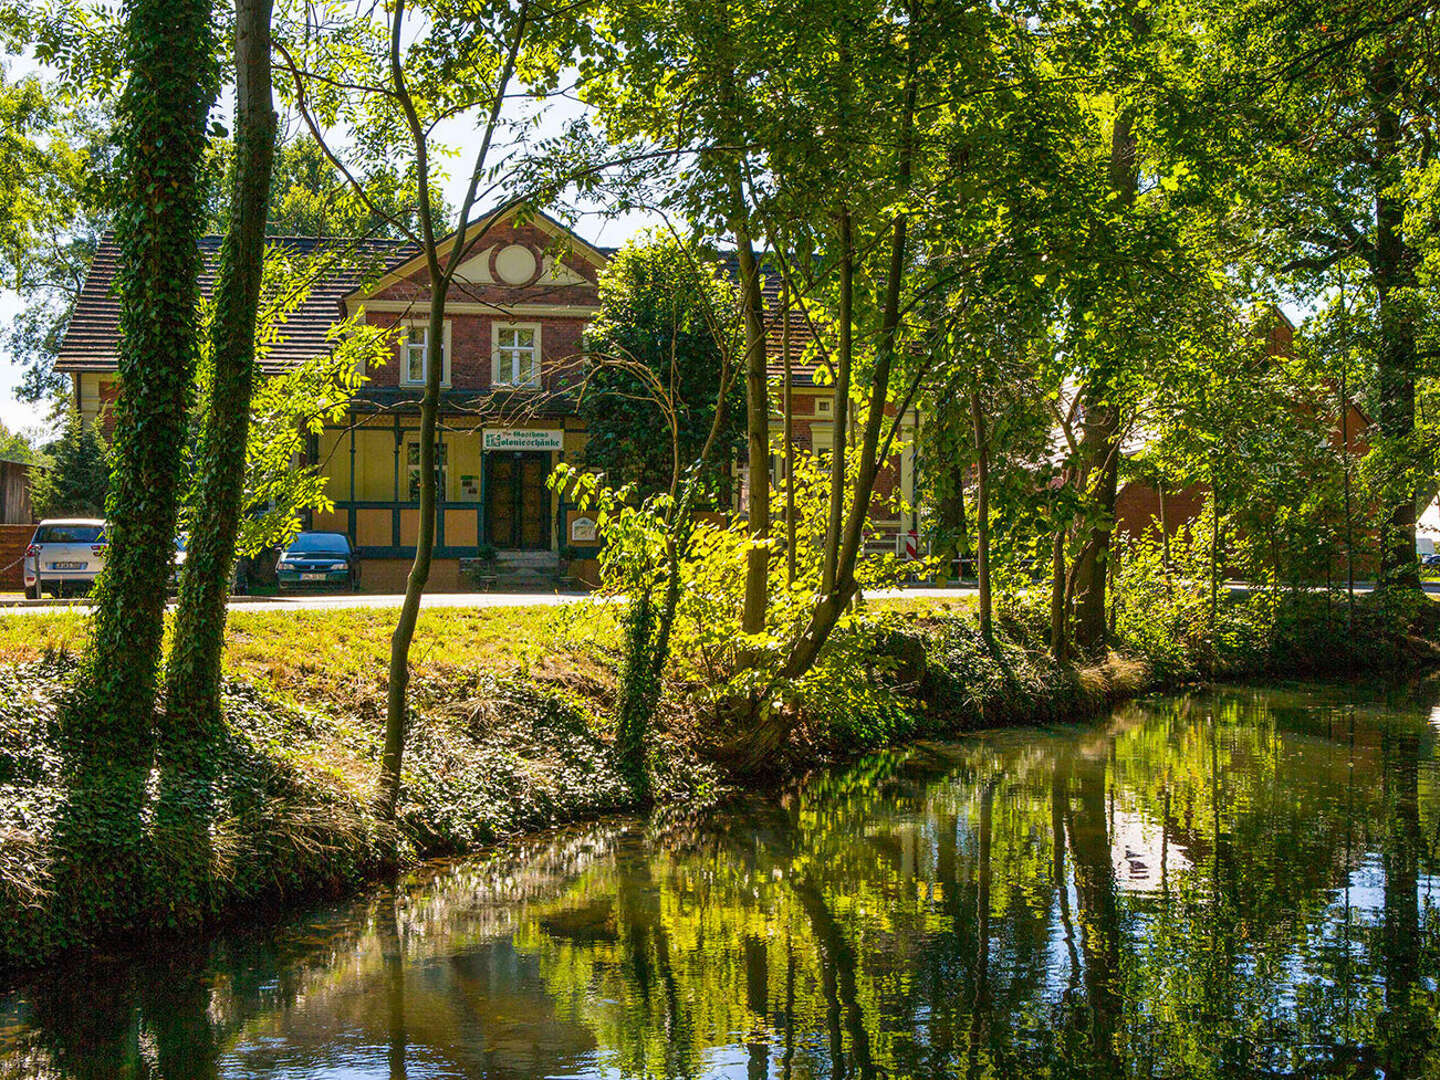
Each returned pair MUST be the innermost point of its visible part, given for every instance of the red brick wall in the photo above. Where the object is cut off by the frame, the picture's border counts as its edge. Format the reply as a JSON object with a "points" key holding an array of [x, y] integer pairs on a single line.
{"points": [[471, 334], [1137, 509], [470, 348]]}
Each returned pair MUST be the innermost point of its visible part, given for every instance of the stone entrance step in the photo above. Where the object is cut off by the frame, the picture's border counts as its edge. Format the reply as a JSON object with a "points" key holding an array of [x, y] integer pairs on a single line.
{"points": [[522, 571], [535, 560]]}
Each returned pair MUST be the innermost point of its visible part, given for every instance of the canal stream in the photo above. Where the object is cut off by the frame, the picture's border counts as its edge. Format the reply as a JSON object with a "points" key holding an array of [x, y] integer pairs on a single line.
{"points": [[1232, 883]]}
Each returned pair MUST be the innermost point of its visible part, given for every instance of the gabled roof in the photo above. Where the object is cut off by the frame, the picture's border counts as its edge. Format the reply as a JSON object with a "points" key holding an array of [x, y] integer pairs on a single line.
{"points": [[340, 264], [349, 268], [414, 260]]}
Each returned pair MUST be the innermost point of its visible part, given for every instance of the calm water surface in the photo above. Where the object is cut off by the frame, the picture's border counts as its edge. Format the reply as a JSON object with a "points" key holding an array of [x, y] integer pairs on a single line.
{"points": [[1239, 883]]}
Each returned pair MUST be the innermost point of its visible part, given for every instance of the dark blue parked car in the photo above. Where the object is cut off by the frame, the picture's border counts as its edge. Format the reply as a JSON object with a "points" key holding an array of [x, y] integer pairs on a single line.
{"points": [[318, 559]]}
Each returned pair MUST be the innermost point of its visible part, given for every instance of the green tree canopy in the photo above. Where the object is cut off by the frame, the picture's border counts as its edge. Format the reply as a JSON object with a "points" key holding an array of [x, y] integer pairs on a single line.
{"points": [[664, 312], [75, 483], [309, 198]]}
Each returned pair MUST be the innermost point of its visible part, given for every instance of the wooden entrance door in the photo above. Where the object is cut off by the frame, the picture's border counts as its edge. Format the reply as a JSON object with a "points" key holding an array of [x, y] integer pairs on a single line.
{"points": [[517, 502]]}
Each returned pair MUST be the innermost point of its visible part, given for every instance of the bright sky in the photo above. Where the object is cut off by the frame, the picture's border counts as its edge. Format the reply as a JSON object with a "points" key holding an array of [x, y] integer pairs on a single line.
{"points": [[598, 225]]}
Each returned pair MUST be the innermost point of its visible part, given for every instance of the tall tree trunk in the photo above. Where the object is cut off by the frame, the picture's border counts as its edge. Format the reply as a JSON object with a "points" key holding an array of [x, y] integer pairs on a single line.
{"points": [[1091, 569], [1345, 456], [192, 723], [1114, 588], [840, 411], [1394, 269], [1100, 451], [1214, 545], [756, 746], [982, 511], [839, 585], [440, 278], [789, 406], [107, 725], [162, 130], [396, 706], [757, 423], [1167, 563], [1059, 622], [950, 518], [842, 584], [951, 526]]}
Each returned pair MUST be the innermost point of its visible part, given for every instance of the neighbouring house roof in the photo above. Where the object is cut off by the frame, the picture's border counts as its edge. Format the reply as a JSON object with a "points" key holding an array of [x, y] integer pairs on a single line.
{"points": [[340, 265], [802, 367]]}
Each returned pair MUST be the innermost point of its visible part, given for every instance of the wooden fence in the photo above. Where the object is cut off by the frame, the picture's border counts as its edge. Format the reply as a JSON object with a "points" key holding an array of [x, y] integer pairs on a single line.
{"points": [[14, 539]]}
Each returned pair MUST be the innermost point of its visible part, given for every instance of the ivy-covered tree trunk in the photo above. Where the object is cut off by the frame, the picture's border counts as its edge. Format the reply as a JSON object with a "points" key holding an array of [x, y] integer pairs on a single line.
{"points": [[192, 724], [108, 721], [638, 691]]}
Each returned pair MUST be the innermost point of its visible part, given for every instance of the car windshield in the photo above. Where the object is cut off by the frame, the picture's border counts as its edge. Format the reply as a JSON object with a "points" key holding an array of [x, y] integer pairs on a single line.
{"points": [[319, 544], [68, 534]]}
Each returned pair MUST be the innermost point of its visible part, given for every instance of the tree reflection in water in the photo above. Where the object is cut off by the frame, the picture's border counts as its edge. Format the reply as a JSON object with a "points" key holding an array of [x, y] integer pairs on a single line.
{"points": [[1225, 885]]}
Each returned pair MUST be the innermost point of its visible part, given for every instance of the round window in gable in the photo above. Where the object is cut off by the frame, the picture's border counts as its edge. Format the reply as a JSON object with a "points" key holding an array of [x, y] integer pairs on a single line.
{"points": [[515, 264]]}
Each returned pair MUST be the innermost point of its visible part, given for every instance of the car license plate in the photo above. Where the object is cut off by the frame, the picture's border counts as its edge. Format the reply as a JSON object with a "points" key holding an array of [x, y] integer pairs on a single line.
{"points": [[312, 577], [67, 566]]}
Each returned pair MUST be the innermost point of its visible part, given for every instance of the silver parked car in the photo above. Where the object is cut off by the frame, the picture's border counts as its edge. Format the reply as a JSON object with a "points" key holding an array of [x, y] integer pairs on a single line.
{"points": [[64, 554]]}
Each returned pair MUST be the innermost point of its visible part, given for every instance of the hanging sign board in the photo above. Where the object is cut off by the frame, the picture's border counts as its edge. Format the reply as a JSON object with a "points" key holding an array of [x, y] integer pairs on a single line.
{"points": [[523, 439]]}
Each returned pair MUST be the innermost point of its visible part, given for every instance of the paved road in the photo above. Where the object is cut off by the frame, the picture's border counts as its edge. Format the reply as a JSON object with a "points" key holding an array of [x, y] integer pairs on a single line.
{"points": [[302, 602]]}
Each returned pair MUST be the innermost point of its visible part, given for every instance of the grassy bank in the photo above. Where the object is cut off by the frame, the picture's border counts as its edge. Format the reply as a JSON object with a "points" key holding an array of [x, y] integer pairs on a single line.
{"points": [[509, 734], [512, 728]]}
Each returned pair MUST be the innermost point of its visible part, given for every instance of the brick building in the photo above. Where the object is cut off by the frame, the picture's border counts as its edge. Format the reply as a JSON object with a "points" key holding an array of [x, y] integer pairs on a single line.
{"points": [[515, 319], [1140, 507]]}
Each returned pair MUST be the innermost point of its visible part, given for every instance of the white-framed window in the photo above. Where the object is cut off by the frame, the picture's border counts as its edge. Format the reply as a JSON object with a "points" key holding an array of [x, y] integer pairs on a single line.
{"points": [[414, 348], [516, 352], [412, 470], [824, 406]]}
